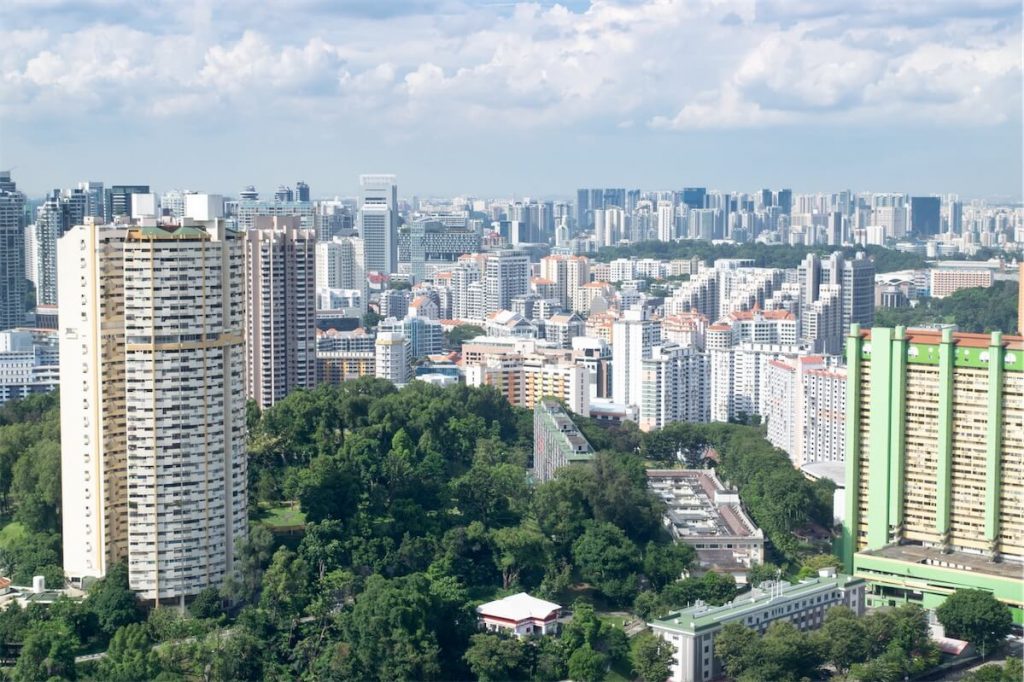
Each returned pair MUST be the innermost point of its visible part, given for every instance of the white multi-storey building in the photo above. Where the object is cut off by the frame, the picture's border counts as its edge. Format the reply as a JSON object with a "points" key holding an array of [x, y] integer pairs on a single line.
{"points": [[633, 337], [280, 315], [391, 354], [666, 221], [28, 363], [675, 386], [153, 463], [378, 222]]}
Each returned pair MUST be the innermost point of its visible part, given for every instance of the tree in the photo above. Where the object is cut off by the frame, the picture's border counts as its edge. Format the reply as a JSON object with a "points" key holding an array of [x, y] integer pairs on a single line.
{"points": [[207, 604], [978, 617], [462, 333], [285, 585], [664, 563], [760, 573], [114, 604], [494, 657], [587, 665], [607, 559], [130, 656], [738, 648], [48, 652], [843, 639], [652, 657], [518, 549], [810, 566]]}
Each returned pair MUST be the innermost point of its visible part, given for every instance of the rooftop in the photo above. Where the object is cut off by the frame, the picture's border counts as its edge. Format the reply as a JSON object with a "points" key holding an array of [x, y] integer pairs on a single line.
{"points": [[934, 556], [702, 616], [518, 607], [699, 505]]}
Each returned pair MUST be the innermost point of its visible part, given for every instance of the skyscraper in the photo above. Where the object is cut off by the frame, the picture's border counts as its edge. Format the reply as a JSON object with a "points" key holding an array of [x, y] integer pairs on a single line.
{"points": [[12, 253], [506, 275], [694, 197], [118, 200], [633, 337], [925, 216], [934, 482], [666, 221], [582, 209], [153, 463], [280, 318], [301, 191], [378, 222]]}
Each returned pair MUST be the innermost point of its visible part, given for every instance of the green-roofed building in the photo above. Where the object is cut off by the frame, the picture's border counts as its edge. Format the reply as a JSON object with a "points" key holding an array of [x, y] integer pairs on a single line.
{"points": [[692, 630]]}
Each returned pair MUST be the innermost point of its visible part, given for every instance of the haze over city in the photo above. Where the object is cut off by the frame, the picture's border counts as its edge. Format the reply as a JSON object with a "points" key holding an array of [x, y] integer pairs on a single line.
{"points": [[528, 98]]}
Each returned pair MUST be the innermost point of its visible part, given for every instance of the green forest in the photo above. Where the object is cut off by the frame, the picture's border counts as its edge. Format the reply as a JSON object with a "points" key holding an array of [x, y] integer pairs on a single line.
{"points": [[972, 310], [380, 520]]}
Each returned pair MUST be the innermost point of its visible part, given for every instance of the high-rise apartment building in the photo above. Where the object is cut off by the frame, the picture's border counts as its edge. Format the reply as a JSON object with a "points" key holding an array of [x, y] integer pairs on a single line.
{"points": [[633, 337], [378, 222], [280, 315], [12, 253], [391, 355], [153, 462], [675, 387], [506, 275], [666, 221], [935, 464]]}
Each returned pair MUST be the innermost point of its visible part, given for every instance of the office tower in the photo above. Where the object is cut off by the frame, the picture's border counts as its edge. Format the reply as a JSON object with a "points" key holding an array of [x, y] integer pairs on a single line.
{"points": [[301, 191], [423, 336], [858, 283], [12, 253], [702, 223], [153, 463], [284, 194], [633, 337], [391, 356], [764, 199], [675, 386], [784, 200], [955, 215], [95, 198], [694, 197], [280, 324], [118, 200], [378, 222], [506, 275], [556, 440], [925, 216], [666, 221], [834, 228], [249, 194], [934, 482], [614, 197], [582, 209]]}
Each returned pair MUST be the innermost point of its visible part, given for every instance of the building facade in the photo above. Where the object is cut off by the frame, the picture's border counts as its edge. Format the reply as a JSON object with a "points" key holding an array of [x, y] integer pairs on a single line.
{"points": [[153, 462], [556, 440], [12, 253], [280, 312], [935, 464]]}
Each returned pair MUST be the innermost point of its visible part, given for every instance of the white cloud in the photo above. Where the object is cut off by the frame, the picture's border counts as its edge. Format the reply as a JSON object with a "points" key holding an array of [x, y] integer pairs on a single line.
{"points": [[675, 64]]}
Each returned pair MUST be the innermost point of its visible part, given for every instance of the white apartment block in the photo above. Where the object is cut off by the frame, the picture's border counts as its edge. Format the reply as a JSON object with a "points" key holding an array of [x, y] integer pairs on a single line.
{"points": [[391, 354], [633, 337], [675, 387], [339, 265], [280, 315], [153, 462]]}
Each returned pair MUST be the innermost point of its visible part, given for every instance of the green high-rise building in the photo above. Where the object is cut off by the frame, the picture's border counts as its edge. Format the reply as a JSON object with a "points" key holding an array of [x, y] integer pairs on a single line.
{"points": [[935, 464]]}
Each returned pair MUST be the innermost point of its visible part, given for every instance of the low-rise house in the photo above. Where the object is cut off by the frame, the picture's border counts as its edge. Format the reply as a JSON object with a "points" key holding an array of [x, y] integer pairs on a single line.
{"points": [[520, 615]]}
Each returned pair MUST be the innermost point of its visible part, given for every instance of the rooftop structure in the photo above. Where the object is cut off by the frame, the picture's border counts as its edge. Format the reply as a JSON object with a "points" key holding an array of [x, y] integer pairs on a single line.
{"points": [[706, 515], [556, 440]]}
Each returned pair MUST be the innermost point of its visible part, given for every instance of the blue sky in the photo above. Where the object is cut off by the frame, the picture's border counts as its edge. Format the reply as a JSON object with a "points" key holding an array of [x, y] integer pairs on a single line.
{"points": [[504, 98]]}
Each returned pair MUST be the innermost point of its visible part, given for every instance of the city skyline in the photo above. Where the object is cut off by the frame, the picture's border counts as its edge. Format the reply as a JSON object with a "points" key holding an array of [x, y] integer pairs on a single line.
{"points": [[487, 99]]}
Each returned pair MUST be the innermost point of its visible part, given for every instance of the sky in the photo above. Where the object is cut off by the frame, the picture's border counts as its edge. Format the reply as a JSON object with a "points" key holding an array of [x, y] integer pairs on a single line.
{"points": [[514, 99]]}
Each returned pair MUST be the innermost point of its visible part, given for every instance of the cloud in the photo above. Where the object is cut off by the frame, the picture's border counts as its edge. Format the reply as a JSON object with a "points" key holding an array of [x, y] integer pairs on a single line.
{"points": [[449, 64]]}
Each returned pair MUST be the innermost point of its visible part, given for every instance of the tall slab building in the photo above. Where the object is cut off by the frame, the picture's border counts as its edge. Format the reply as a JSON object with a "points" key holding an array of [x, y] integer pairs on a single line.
{"points": [[280, 311], [12, 253], [378, 222], [935, 464], [153, 463]]}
